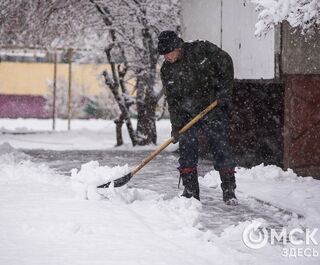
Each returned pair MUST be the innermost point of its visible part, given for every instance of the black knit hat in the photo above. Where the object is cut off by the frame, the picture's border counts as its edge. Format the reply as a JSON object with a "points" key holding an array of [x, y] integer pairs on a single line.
{"points": [[168, 41]]}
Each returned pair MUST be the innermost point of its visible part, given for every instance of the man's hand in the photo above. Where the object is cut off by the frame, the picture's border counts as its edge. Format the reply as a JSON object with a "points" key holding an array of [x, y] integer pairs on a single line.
{"points": [[175, 135], [223, 104], [221, 101]]}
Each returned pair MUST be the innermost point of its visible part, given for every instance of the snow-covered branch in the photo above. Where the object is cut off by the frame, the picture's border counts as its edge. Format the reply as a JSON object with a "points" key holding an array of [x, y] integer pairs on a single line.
{"points": [[303, 14]]}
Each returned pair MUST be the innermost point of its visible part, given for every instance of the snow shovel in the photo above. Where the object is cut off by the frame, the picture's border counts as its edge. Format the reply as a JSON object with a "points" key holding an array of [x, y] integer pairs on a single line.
{"points": [[125, 179]]}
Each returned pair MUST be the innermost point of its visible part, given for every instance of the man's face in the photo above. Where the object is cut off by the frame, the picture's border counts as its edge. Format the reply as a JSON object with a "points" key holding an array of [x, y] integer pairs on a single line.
{"points": [[173, 56]]}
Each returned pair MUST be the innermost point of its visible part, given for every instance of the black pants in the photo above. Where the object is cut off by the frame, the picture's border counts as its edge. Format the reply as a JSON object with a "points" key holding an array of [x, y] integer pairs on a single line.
{"points": [[216, 132]]}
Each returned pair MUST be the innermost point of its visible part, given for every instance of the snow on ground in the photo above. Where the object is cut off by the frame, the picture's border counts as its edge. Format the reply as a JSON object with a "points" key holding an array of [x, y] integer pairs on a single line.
{"points": [[49, 218], [42, 221], [91, 175], [279, 188], [283, 189], [84, 134]]}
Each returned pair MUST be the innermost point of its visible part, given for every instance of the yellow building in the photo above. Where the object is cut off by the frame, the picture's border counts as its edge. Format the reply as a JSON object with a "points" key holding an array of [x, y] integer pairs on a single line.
{"points": [[26, 78], [32, 78]]}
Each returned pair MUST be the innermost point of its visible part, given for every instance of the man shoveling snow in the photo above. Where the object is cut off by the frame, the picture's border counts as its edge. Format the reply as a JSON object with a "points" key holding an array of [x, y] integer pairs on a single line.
{"points": [[194, 75]]}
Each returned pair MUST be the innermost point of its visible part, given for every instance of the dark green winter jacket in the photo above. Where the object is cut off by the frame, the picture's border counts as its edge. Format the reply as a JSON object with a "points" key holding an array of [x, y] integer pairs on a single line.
{"points": [[202, 75]]}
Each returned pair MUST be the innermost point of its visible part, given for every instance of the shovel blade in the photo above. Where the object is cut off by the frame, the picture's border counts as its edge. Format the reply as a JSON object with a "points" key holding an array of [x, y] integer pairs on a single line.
{"points": [[118, 182]]}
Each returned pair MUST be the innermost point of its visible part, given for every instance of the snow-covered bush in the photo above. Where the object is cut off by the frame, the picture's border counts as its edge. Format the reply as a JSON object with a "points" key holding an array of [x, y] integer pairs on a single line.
{"points": [[303, 14], [102, 105], [78, 99]]}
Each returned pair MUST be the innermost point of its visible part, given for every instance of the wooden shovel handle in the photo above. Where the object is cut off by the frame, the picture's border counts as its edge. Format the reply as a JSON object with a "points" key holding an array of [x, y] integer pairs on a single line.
{"points": [[169, 141]]}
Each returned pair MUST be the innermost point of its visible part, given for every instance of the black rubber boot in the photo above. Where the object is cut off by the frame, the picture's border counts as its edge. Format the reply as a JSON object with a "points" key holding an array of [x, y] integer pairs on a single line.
{"points": [[228, 186], [190, 182]]}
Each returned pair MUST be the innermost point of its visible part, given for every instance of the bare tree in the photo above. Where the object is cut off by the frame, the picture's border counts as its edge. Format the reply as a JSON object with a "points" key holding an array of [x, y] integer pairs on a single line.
{"points": [[125, 30], [133, 29], [48, 24]]}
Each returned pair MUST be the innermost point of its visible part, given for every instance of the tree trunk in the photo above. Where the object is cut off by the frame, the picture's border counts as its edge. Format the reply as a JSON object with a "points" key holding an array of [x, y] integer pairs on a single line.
{"points": [[146, 98], [113, 84], [119, 123], [121, 103], [127, 102], [146, 105]]}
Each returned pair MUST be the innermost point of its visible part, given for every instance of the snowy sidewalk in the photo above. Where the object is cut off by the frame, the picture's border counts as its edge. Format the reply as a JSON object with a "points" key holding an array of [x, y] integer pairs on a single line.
{"points": [[84, 134], [41, 221]]}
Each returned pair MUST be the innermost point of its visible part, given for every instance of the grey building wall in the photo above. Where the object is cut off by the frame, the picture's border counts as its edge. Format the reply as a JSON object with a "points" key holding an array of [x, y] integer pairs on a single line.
{"points": [[230, 24], [201, 19], [300, 53]]}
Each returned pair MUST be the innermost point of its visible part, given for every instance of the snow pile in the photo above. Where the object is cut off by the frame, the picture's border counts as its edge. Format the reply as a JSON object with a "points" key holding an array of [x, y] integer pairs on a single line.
{"points": [[257, 173], [184, 212], [284, 189], [232, 238], [129, 195], [16, 168], [234, 232], [211, 179], [6, 148], [91, 175], [267, 173], [281, 188], [131, 226], [8, 152]]}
